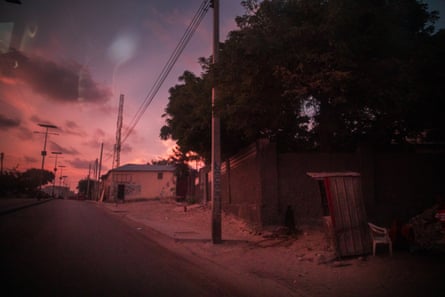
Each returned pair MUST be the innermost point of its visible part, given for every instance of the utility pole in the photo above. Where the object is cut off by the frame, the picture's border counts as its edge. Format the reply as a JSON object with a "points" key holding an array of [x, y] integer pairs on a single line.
{"points": [[46, 126], [88, 182], [216, 138], [98, 173], [2, 156], [117, 146], [60, 180], [55, 170], [61, 176]]}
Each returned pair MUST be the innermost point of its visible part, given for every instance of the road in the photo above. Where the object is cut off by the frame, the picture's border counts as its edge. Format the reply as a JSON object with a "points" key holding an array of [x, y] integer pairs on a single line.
{"points": [[73, 248]]}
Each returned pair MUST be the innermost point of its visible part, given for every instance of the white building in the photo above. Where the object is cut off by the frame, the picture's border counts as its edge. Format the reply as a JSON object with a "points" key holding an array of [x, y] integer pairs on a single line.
{"points": [[137, 182]]}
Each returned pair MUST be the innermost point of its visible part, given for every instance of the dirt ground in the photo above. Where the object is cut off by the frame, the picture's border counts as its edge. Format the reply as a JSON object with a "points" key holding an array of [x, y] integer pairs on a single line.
{"points": [[303, 264]]}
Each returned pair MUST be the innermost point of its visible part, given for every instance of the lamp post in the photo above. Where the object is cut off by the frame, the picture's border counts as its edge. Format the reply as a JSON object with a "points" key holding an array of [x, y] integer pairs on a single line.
{"points": [[64, 190], [61, 177], [55, 170], [47, 127], [2, 156], [61, 170]]}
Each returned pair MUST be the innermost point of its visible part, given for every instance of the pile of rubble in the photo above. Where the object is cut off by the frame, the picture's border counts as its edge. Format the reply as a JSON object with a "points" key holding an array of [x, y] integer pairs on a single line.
{"points": [[426, 230]]}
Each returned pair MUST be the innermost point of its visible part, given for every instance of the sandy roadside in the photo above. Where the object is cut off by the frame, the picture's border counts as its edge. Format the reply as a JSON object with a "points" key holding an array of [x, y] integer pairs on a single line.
{"points": [[304, 264]]}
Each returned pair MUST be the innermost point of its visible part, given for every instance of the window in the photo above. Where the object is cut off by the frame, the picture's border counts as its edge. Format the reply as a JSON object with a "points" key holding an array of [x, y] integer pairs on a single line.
{"points": [[160, 175]]}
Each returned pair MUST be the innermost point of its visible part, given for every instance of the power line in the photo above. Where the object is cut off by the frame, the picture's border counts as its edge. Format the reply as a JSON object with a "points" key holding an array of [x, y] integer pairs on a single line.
{"points": [[199, 16]]}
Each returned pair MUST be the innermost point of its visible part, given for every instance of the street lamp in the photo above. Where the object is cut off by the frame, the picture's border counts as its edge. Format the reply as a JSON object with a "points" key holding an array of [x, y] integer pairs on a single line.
{"points": [[60, 178], [55, 169], [63, 189], [47, 127]]}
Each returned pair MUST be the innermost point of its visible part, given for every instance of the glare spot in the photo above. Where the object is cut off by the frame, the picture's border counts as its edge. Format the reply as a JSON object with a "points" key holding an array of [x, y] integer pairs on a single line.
{"points": [[123, 47], [32, 31]]}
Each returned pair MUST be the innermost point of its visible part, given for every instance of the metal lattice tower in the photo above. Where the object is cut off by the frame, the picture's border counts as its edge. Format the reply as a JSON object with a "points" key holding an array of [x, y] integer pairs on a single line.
{"points": [[117, 145]]}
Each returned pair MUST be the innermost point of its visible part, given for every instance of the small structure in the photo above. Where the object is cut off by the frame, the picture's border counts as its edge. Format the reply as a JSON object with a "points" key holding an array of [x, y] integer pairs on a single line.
{"points": [[344, 212], [139, 182]]}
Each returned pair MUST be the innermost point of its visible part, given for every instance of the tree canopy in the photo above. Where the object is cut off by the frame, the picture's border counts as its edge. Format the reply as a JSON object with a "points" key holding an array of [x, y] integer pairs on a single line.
{"points": [[318, 75], [24, 183]]}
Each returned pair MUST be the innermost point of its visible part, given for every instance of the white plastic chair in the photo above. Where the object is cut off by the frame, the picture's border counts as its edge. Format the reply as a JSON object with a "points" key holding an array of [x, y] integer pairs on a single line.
{"points": [[380, 235]]}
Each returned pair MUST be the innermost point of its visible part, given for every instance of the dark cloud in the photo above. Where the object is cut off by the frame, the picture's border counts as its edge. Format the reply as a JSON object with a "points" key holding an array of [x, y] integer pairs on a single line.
{"points": [[71, 125], [100, 136], [81, 164], [25, 133], [66, 151], [6, 122], [126, 148], [87, 165], [38, 120], [72, 128], [99, 133], [31, 160], [68, 82]]}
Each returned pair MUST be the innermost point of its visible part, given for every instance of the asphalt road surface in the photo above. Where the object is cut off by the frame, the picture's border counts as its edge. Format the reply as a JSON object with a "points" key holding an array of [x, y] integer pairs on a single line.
{"points": [[72, 248]]}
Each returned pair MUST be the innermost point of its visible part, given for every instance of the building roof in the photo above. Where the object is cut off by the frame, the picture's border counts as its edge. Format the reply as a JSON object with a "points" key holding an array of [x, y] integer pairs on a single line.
{"points": [[145, 168]]}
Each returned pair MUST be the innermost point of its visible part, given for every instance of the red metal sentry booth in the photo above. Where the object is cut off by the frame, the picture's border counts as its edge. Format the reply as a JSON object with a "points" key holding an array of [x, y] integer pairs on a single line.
{"points": [[344, 212]]}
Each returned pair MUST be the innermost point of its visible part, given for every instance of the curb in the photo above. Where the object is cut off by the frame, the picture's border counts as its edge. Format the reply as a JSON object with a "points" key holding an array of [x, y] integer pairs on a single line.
{"points": [[23, 206]]}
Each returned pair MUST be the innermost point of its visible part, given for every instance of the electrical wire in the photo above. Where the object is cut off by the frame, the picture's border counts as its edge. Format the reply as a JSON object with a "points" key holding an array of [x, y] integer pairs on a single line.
{"points": [[191, 29], [199, 16]]}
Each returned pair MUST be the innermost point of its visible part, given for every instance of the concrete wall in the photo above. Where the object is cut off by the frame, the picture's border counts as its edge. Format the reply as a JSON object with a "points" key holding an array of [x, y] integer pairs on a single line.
{"points": [[301, 192], [394, 185], [406, 184], [258, 184], [241, 186]]}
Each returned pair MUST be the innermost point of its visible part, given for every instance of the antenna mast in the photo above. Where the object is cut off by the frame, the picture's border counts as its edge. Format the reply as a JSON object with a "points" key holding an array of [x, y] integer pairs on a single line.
{"points": [[117, 145]]}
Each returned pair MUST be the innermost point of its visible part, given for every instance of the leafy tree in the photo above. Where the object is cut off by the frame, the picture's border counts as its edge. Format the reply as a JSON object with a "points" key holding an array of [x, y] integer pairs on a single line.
{"points": [[356, 62], [324, 75], [188, 113], [426, 115], [167, 161], [24, 183], [32, 179], [9, 185], [86, 187]]}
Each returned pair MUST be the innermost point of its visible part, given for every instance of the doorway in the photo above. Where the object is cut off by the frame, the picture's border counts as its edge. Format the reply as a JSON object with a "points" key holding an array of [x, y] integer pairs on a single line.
{"points": [[121, 192]]}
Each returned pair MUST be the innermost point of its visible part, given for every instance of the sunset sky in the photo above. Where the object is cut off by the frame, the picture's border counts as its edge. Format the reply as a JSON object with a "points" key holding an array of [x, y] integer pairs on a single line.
{"points": [[73, 59]]}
